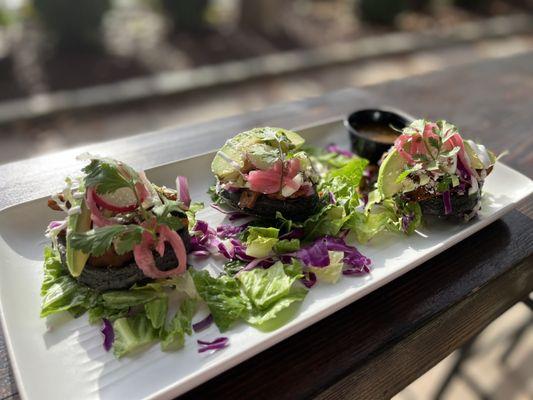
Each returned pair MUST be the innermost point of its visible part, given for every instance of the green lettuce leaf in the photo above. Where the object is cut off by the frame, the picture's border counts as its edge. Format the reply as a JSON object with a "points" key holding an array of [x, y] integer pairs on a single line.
{"points": [[387, 215], [223, 297], [342, 180], [173, 336], [119, 299], [287, 246], [266, 286], [59, 291], [271, 292], [279, 313], [260, 241], [156, 311], [328, 222], [133, 334], [192, 211]]}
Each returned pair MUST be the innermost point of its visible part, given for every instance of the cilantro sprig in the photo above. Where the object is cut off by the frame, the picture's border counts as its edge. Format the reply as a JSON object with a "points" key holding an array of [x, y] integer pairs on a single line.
{"points": [[99, 240], [108, 175], [164, 215]]}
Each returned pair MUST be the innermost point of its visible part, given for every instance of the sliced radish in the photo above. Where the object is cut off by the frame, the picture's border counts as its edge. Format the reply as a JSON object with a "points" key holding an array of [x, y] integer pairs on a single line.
{"points": [[121, 200]]}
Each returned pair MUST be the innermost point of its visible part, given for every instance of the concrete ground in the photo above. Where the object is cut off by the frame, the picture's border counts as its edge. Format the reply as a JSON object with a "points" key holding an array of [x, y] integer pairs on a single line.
{"points": [[506, 381]]}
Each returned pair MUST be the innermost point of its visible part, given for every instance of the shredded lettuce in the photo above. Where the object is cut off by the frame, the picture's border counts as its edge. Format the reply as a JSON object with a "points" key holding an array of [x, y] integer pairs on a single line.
{"points": [[260, 241], [387, 215], [287, 246], [59, 291], [270, 293], [261, 297], [132, 334], [266, 286], [173, 336], [139, 315], [223, 297], [156, 311]]}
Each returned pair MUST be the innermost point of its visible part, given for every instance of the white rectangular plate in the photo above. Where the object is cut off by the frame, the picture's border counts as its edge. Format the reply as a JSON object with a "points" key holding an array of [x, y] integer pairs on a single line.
{"points": [[68, 360]]}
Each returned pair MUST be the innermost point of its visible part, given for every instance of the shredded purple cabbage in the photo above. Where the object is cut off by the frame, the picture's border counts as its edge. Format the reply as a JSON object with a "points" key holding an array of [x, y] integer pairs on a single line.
{"points": [[109, 334], [258, 262], [332, 199], [333, 148], [296, 233], [406, 221], [447, 200], [217, 344], [227, 231], [317, 255], [356, 271], [464, 173], [203, 324], [55, 224], [309, 280], [202, 226], [204, 241], [240, 250]]}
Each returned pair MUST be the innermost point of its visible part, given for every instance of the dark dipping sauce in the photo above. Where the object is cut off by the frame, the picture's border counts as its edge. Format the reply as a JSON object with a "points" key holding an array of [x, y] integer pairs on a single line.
{"points": [[373, 131], [378, 132]]}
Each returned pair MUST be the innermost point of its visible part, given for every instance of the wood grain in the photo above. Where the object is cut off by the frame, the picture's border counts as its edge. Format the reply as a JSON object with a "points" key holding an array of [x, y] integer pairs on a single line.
{"points": [[376, 346]]}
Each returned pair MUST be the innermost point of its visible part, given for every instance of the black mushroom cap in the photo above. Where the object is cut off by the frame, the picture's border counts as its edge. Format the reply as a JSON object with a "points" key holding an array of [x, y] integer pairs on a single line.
{"points": [[116, 278], [296, 209], [462, 205]]}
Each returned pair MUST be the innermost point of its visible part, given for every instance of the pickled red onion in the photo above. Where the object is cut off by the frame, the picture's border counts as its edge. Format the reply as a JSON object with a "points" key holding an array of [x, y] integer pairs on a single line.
{"points": [[270, 181], [145, 258], [96, 215]]}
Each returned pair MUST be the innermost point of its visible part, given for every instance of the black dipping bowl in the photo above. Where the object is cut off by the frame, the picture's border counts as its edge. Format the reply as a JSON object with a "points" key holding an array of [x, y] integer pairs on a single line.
{"points": [[364, 145]]}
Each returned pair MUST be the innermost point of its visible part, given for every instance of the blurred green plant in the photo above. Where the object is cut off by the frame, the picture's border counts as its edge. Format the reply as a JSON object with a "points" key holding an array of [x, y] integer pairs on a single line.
{"points": [[74, 24], [381, 12], [186, 15]]}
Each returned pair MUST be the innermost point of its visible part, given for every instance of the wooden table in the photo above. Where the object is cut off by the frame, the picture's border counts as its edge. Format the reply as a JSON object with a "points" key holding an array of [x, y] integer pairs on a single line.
{"points": [[379, 344]]}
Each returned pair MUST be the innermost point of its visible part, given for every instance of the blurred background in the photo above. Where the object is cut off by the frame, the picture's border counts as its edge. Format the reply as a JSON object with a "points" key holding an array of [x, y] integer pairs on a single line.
{"points": [[81, 71], [73, 72]]}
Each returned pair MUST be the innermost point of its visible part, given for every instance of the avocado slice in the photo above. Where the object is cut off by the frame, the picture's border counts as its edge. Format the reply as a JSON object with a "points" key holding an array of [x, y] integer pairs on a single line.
{"points": [[230, 158], [480, 157], [391, 167], [296, 140], [77, 223]]}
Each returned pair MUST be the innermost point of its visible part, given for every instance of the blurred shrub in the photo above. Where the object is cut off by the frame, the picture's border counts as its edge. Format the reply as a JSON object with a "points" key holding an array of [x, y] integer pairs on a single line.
{"points": [[381, 12], [186, 15], [74, 24], [475, 5]]}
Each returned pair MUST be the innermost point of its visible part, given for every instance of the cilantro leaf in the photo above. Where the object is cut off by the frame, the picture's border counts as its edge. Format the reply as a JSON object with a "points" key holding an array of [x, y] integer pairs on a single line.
{"points": [[444, 184], [406, 173], [98, 240], [165, 217], [105, 176], [451, 152], [434, 142], [126, 241]]}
